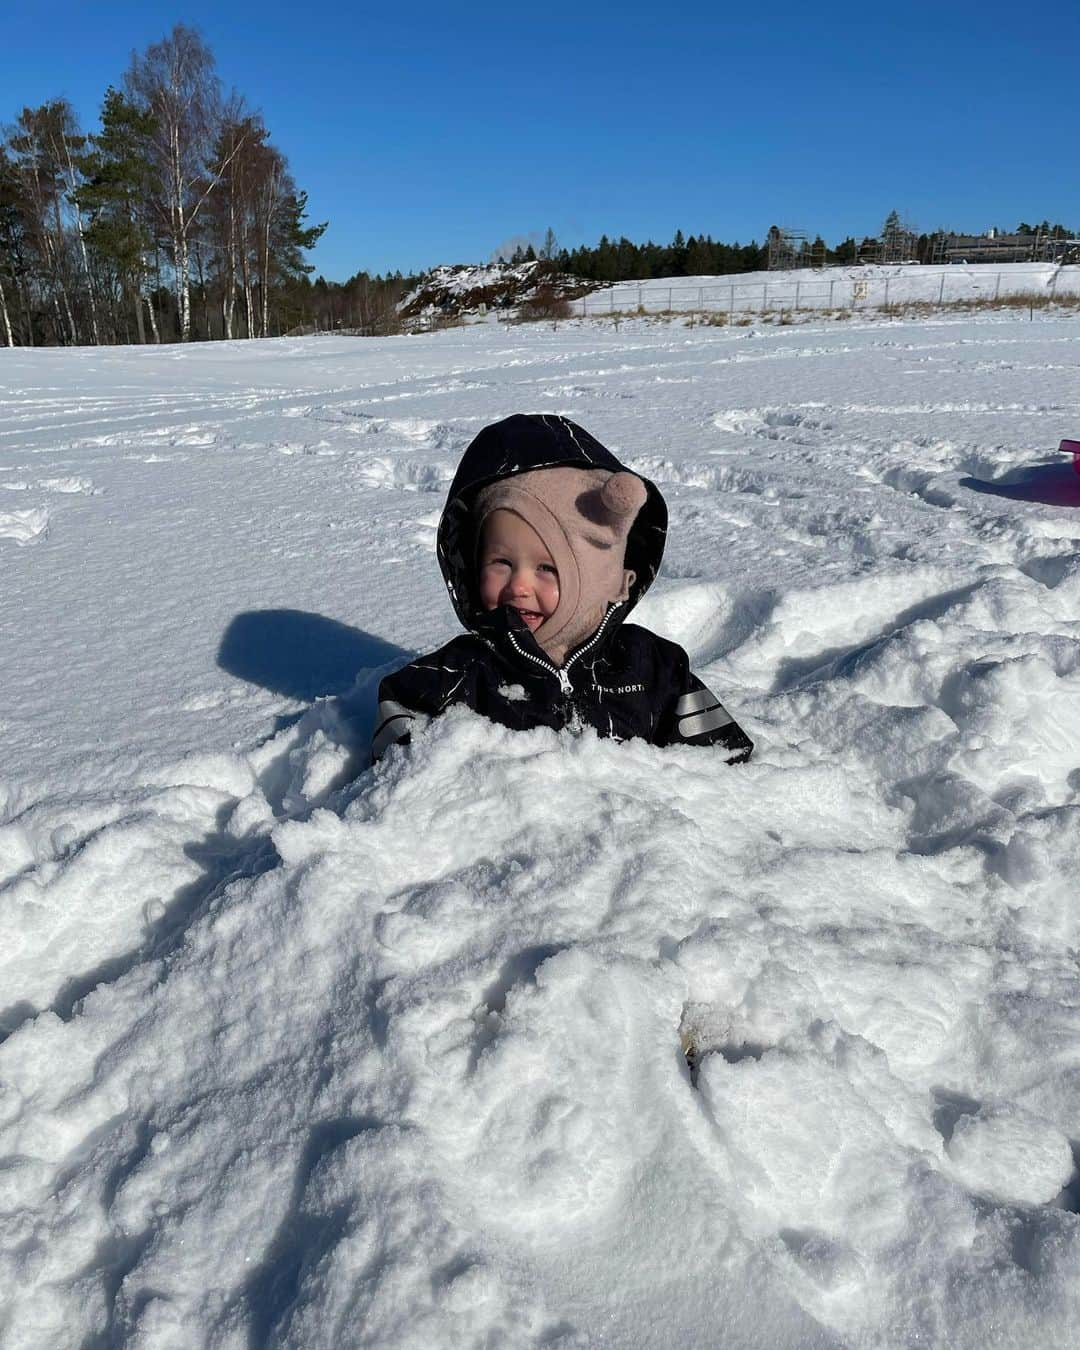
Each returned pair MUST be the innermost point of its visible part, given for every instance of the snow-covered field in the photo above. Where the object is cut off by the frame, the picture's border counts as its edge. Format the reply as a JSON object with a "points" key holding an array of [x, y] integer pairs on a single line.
{"points": [[849, 288], [302, 1053]]}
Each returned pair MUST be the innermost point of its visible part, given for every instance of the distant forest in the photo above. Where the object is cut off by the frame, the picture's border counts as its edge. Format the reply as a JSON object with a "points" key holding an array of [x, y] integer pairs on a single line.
{"points": [[176, 219], [695, 256]]}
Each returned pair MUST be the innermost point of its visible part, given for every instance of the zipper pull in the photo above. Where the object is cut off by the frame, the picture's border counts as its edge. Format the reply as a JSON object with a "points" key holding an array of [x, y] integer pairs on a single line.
{"points": [[564, 681]]}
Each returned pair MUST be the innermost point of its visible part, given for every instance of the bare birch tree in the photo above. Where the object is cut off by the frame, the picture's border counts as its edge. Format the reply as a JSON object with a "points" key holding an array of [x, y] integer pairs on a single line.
{"points": [[63, 142], [175, 80], [40, 193], [235, 165]]}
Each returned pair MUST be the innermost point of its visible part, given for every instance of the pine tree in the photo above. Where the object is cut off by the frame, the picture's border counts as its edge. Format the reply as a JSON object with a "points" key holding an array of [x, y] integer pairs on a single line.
{"points": [[118, 184], [678, 255]]}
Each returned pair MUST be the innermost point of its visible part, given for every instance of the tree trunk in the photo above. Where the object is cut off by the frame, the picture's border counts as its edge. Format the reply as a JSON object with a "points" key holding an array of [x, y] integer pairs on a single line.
{"points": [[70, 317], [183, 286], [59, 270], [7, 320], [196, 261], [245, 271], [139, 324], [228, 300], [180, 237], [82, 246], [271, 193], [153, 318], [58, 319], [28, 313]]}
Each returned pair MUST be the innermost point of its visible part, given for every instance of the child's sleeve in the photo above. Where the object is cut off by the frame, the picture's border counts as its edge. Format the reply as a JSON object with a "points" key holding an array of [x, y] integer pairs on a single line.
{"points": [[695, 716], [408, 698]]}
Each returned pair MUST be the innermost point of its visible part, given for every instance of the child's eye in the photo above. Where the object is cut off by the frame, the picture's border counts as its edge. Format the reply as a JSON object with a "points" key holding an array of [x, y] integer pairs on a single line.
{"points": [[548, 567]]}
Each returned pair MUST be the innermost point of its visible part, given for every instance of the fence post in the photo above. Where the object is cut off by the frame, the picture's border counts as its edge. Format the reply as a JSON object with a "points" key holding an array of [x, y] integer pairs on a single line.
{"points": [[832, 285], [764, 297], [639, 297], [886, 292], [669, 299], [731, 301], [941, 290], [797, 285], [997, 286]]}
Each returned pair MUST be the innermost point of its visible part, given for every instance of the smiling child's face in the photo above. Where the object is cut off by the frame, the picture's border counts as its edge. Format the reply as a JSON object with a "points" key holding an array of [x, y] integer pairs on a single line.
{"points": [[516, 569]]}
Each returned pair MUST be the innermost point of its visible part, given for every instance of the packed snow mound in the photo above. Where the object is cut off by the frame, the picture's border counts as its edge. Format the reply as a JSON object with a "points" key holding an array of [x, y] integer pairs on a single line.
{"points": [[522, 1038], [446, 1010]]}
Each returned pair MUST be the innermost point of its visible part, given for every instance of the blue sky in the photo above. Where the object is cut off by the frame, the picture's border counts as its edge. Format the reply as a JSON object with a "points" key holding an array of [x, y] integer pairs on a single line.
{"points": [[430, 133]]}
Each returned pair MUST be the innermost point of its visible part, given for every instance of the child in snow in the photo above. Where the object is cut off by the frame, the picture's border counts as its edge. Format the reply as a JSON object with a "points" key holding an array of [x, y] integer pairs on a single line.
{"points": [[546, 545]]}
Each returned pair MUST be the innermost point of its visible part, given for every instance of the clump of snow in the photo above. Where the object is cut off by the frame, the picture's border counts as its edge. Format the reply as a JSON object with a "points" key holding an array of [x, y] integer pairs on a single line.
{"points": [[24, 526], [1010, 1153], [299, 1051], [68, 484]]}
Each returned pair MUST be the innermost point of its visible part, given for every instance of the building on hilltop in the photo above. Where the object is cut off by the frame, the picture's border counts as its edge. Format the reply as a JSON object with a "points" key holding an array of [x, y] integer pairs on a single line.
{"points": [[994, 247]]}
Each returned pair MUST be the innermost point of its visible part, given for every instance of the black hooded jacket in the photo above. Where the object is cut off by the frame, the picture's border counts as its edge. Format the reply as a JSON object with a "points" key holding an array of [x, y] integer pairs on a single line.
{"points": [[623, 680]]}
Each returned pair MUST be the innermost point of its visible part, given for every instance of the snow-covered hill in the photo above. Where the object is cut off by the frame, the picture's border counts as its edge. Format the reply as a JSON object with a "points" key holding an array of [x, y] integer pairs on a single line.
{"points": [[301, 1053], [498, 289], [867, 287], [471, 292]]}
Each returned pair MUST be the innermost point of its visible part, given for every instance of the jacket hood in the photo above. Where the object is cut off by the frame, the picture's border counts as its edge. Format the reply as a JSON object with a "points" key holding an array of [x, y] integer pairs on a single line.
{"points": [[516, 445]]}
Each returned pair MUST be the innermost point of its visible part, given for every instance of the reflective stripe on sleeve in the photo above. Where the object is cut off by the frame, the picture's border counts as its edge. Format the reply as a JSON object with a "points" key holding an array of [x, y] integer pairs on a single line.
{"points": [[393, 722], [712, 720], [695, 702]]}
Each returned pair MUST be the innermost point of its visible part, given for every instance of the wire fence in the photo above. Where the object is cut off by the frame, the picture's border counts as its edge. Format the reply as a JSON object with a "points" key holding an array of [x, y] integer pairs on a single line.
{"points": [[940, 287]]}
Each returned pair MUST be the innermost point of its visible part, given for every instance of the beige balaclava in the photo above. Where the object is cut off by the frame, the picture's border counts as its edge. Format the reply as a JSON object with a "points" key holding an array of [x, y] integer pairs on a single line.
{"points": [[583, 517]]}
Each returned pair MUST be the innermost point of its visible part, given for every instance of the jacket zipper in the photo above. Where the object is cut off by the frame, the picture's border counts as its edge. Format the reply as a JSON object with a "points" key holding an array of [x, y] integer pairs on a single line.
{"points": [[591, 642], [564, 682], [560, 671]]}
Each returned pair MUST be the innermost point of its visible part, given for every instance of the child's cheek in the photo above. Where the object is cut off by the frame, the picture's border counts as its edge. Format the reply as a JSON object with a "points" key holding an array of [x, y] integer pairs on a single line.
{"points": [[490, 587]]}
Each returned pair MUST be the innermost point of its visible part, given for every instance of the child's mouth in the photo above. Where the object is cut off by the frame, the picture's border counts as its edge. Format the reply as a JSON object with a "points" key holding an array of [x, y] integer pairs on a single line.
{"points": [[533, 618]]}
